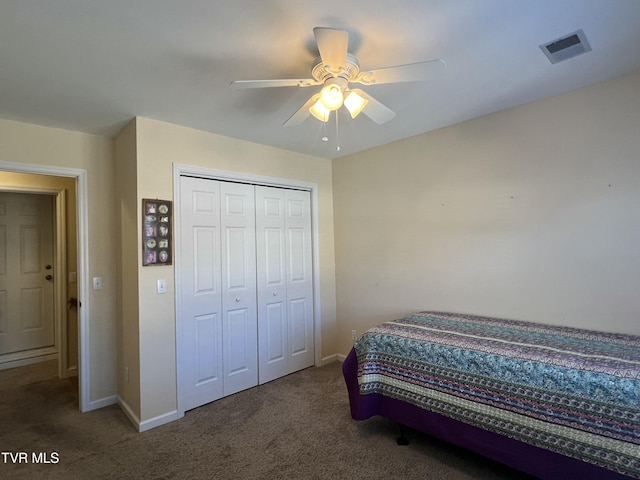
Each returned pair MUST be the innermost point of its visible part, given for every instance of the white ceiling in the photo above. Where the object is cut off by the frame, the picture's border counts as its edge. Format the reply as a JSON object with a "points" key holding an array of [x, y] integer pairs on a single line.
{"points": [[92, 65]]}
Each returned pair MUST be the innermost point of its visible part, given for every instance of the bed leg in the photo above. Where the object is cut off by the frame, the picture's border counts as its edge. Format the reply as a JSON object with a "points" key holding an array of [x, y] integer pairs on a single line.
{"points": [[402, 439]]}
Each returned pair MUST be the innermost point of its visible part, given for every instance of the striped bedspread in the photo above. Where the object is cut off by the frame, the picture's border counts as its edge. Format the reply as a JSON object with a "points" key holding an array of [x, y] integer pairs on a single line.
{"points": [[572, 391]]}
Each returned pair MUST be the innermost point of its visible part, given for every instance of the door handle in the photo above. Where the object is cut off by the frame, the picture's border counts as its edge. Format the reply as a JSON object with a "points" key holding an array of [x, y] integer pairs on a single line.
{"points": [[48, 267], [49, 277]]}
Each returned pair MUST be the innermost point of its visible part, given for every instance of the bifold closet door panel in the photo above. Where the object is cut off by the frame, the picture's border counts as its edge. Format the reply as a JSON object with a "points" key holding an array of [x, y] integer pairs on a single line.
{"points": [[285, 285], [272, 283], [239, 309], [299, 279], [200, 317]]}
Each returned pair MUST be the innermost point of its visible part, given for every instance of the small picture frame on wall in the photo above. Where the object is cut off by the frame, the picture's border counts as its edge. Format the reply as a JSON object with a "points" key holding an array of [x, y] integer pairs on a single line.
{"points": [[157, 244]]}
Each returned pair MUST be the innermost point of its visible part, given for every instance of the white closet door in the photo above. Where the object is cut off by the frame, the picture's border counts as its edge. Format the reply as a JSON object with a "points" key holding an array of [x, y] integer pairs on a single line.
{"points": [[285, 287], [272, 283], [239, 287], [199, 281], [245, 287], [299, 279]]}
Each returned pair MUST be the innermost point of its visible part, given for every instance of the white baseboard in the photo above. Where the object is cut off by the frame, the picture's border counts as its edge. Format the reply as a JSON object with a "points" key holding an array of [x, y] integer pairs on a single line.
{"points": [[336, 357], [157, 421], [23, 362], [133, 418], [328, 360], [101, 403], [147, 424]]}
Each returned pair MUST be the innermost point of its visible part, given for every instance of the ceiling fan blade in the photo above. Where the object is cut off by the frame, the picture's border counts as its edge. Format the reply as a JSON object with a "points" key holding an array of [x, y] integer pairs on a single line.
{"points": [[301, 114], [412, 72], [375, 110], [333, 45], [282, 82]]}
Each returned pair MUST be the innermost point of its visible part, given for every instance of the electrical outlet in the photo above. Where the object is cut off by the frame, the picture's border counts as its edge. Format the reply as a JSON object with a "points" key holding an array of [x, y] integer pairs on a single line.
{"points": [[354, 335]]}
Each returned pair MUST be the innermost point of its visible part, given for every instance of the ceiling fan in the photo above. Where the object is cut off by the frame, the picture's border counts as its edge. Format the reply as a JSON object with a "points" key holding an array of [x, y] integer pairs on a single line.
{"points": [[336, 69]]}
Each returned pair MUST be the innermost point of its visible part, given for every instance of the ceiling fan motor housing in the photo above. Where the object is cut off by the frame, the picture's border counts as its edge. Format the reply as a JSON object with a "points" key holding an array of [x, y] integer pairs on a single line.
{"points": [[349, 72]]}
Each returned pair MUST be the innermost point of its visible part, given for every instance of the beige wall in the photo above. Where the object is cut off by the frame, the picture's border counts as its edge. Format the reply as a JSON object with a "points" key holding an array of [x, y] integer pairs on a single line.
{"points": [[158, 146], [128, 305], [35, 145], [530, 213]]}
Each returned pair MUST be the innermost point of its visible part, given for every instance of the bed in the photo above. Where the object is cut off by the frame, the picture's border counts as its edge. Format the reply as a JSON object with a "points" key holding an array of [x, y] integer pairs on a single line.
{"points": [[554, 402]]}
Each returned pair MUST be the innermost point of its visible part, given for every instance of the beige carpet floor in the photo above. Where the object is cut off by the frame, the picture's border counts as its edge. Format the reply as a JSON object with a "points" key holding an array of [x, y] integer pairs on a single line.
{"points": [[297, 427]]}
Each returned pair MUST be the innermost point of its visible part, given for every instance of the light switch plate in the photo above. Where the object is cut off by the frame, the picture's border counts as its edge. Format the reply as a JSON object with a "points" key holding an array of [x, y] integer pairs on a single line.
{"points": [[162, 286], [97, 283]]}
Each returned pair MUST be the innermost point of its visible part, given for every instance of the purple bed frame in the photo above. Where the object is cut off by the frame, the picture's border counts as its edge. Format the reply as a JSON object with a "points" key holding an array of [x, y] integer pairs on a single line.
{"points": [[536, 461]]}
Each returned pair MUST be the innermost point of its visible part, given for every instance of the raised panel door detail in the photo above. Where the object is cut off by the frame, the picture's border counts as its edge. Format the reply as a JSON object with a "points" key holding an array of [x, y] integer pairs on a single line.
{"points": [[275, 328], [236, 348], [297, 326], [238, 265], [206, 271], [297, 255], [208, 358], [235, 204], [240, 350], [30, 261], [296, 208], [204, 203], [273, 261], [273, 207], [31, 308]]}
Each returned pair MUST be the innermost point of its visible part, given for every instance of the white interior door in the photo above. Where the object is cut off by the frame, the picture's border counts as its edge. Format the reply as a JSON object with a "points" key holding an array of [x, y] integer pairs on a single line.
{"points": [[285, 281], [200, 291], [26, 275], [239, 287]]}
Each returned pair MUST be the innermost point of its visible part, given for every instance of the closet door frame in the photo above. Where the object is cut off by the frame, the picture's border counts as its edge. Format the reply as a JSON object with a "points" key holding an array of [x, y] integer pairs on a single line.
{"points": [[231, 176]]}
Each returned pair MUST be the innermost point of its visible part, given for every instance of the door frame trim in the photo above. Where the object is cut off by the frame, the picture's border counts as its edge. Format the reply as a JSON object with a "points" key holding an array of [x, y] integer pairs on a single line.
{"points": [[84, 373], [180, 169]]}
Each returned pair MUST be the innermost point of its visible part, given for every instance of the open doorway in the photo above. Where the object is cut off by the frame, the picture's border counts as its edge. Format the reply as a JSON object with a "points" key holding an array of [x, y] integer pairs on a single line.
{"points": [[61, 354]]}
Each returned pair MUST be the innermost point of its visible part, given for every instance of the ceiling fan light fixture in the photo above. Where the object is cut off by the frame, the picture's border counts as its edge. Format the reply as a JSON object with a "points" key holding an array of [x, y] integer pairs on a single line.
{"points": [[318, 109], [335, 69], [331, 96], [355, 103]]}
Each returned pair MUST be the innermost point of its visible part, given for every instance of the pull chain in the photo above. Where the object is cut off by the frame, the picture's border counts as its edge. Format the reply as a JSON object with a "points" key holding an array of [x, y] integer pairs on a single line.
{"points": [[337, 134]]}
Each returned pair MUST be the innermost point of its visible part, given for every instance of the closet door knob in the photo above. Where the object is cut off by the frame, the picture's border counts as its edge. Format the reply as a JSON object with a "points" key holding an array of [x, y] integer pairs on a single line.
{"points": [[237, 299], [275, 294]]}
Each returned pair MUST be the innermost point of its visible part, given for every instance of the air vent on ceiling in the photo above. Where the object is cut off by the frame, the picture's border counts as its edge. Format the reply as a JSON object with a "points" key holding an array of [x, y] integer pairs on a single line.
{"points": [[566, 47]]}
